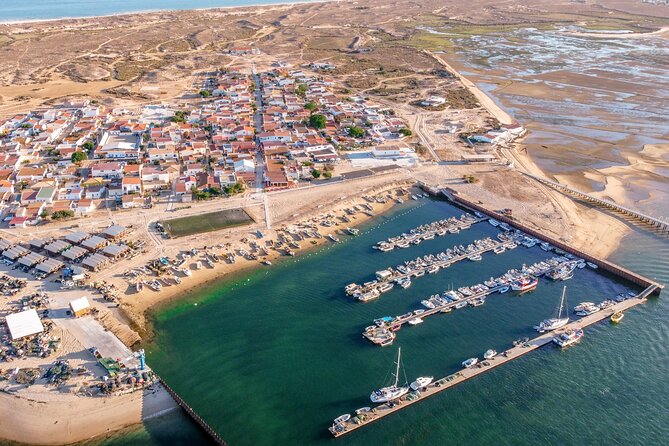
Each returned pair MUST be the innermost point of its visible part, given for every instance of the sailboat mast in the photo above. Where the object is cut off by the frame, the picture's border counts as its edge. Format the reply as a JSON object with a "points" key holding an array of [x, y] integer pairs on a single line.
{"points": [[397, 371], [564, 290]]}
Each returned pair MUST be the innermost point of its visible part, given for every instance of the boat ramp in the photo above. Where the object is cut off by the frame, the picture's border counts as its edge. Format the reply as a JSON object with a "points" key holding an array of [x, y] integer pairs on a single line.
{"points": [[516, 351]]}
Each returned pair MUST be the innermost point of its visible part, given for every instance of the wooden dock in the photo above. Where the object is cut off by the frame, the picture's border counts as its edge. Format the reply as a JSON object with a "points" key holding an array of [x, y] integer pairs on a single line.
{"points": [[442, 264], [517, 351]]}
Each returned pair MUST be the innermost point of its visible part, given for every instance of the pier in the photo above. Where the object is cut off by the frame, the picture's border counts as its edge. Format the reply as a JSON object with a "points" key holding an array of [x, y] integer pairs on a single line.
{"points": [[659, 223], [605, 265], [429, 231], [383, 333], [483, 246], [193, 415], [465, 374]]}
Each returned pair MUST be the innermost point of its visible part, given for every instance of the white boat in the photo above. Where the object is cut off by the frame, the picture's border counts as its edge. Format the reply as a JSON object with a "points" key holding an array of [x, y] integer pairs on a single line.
{"points": [[582, 306], [591, 265], [462, 304], [342, 418], [416, 321], [393, 392], [489, 354], [363, 410], [555, 322], [384, 288], [333, 238], [471, 362], [493, 222], [503, 290], [421, 382], [568, 338], [427, 304]]}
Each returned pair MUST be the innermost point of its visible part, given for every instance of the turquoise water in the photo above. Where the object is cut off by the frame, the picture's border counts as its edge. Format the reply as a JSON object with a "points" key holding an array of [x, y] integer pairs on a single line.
{"points": [[13, 10], [273, 357]]}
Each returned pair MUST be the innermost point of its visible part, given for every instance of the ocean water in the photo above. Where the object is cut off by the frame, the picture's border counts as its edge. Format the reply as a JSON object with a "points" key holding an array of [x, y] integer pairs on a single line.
{"points": [[272, 357], [13, 10]]}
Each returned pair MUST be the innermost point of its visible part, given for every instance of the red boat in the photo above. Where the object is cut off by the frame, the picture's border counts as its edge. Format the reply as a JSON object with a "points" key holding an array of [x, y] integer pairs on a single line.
{"points": [[525, 284]]}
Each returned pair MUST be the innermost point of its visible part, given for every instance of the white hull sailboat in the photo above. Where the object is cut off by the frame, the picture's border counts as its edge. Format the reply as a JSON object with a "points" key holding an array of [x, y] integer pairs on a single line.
{"points": [[555, 322], [390, 393]]}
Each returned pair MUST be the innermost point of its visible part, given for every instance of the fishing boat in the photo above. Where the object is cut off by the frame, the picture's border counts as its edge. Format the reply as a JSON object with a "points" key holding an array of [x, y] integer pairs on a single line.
{"points": [[363, 410], [474, 257], [393, 392], [404, 283], [493, 222], [582, 306], [489, 354], [384, 288], [462, 304], [416, 321], [333, 238], [353, 231], [342, 418], [587, 310], [524, 284], [617, 317], [421, 382], [569, 337], [555, 322], [266, 262], [591, 265], [469, 363], [499, 249]]}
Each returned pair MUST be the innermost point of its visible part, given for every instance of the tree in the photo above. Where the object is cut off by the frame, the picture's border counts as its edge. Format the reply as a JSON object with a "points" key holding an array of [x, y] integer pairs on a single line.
{"points": [[327, 174], [470, 179], [78, 157], [204, 93], [356, 132], [59, 215], [179, 116], [406, 132], [317, 121], [302, 90], [316, 173], [311, 106], [88, 146]]}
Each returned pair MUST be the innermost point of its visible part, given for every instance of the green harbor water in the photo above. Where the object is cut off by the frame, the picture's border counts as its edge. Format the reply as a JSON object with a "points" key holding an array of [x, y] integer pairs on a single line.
{"points": [[272, 357]]}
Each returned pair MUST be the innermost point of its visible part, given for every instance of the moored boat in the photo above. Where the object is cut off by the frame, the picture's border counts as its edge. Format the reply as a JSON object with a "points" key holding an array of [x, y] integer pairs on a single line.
{"points": [[471, 362], [421, 382], [392, 392], [617, 317], [489, 354], [568, 338], [555, 322]]}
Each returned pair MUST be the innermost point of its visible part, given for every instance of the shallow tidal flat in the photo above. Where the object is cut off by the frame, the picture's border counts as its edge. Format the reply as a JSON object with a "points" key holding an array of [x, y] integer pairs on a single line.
{"points": [[595, 107], [273, 357]]}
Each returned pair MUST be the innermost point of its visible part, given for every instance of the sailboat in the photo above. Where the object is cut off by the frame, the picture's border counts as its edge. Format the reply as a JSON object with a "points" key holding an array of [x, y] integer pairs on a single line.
{"points": [[390, 393], [555, 322]]}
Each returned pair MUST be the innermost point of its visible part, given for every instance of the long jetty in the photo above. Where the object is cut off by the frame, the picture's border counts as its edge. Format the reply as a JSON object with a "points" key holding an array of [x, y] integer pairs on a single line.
{"points": [[398, 275], [193, 415], [605, 265], [468, 299], [658, 223], [465, 374]]}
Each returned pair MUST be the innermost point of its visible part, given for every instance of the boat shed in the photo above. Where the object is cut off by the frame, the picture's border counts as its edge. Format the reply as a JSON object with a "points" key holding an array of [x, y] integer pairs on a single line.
{"points": [[31, 259], [49, 266], [95, 261], [94, 243], [57, 247], [115, 232], [77, 237], [4, 245], [15, 252], [80, 307], [39, 243], [25, 323], [74, 253], [115, 250]]}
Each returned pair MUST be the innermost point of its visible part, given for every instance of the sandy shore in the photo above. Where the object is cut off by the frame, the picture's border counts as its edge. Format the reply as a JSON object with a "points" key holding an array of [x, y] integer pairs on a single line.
{"points": [[485, 100], [136, 306], [65, 419]]}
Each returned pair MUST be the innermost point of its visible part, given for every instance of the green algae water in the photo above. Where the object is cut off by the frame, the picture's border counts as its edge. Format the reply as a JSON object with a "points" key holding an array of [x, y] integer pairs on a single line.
{"points": [[272, 357]]}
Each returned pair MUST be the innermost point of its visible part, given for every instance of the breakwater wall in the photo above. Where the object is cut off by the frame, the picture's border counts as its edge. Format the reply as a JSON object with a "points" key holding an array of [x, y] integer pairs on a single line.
{"points": [[606, 265]]}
